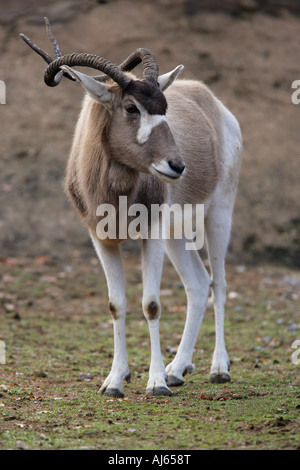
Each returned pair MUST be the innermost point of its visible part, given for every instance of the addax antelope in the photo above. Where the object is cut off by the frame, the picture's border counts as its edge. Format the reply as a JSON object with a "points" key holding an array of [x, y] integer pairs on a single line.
{"points": [[155, 140]]}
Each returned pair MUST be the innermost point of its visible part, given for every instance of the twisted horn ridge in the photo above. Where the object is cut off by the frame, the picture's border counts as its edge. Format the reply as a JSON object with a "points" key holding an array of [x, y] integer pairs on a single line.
{"points": [[55, 47], [54, 74], [47, 57], [141, 55], [150, 66], [85, 60]]}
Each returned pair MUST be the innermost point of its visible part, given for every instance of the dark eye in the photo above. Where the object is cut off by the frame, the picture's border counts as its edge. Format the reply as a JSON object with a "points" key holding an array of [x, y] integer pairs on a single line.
{"points": [[132, 109]]}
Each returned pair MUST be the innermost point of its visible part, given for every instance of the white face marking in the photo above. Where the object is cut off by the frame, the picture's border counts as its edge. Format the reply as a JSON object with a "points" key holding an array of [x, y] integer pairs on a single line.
{"points": [[147, 123]]}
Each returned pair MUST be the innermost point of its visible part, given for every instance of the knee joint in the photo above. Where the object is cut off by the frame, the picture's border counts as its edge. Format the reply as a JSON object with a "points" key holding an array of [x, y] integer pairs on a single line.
{"points": [[152, 309], [115, 310]]}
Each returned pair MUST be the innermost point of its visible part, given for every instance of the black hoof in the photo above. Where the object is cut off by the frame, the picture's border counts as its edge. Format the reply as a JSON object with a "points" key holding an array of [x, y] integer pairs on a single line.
{"points": [[159, 391], [112, 392], [128, 378], [219, 378], [173, 381]]}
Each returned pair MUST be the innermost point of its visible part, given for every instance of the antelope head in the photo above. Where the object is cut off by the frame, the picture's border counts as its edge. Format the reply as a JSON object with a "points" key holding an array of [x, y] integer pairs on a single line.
{"points": [[139, 135]]}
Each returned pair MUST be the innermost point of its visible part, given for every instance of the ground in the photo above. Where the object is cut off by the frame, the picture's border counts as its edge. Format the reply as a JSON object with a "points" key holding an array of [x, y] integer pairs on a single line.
{"points": [[53, 299], [59, 347]]}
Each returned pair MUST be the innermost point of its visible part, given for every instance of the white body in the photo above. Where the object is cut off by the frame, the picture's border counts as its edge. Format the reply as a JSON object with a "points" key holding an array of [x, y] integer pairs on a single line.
{"points": [[193, 113]]}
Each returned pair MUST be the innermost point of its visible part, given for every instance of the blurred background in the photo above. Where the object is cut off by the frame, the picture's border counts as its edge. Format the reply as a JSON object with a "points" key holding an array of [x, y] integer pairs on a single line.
{"points": [[247, 51]]}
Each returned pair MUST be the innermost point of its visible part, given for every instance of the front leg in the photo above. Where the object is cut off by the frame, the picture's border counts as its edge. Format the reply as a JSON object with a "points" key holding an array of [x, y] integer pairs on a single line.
{"points": [[152, 261], [111, 261]]}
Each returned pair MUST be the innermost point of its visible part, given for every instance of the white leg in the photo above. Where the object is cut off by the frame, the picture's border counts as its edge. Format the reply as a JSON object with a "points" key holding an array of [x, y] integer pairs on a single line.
{"points": [[152, 259], [196, 282], [217, 226], [111, 261]]}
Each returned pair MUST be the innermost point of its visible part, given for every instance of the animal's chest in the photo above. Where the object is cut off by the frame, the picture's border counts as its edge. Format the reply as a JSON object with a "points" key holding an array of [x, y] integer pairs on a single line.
{"points": [[132, 216], [149, 191]]}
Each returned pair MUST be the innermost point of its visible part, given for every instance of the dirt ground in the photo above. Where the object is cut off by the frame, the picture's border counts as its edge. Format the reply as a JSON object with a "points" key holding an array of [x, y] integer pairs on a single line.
{"points": [[59, 348], [247, 51]]}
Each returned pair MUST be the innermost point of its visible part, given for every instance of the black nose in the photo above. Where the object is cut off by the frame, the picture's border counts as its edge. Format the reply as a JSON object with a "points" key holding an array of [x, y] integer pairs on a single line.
{"points": [[177, 168]]}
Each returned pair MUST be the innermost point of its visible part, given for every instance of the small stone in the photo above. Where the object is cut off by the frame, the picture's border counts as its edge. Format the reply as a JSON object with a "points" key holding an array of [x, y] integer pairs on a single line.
{"points": [[240, 269], [21, 445], [9, 307], [86, 377], [238, 309], [233, 295], [171, 350], [293, 327]]}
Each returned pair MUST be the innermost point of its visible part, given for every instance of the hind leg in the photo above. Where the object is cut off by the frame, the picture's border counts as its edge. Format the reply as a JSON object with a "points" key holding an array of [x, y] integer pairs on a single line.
{"points": [[196, 282], [218, 226]]}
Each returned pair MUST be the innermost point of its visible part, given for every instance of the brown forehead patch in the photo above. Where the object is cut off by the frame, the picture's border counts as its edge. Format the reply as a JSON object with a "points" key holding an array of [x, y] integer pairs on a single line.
{"points": [[149, 95]]}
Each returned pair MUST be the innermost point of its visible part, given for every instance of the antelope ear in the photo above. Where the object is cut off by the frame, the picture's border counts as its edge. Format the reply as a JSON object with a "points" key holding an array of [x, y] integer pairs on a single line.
{"points": [[168, 78], [97, 90]]}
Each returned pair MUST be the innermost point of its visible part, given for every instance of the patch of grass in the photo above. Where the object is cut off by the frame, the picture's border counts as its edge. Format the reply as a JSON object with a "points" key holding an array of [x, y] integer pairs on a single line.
{"points": [[59, 349]]}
